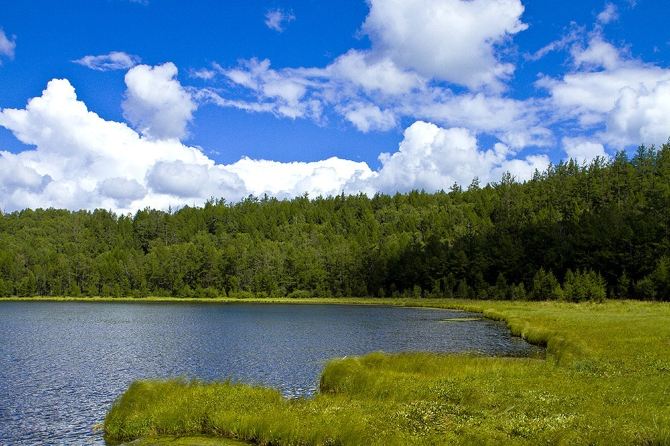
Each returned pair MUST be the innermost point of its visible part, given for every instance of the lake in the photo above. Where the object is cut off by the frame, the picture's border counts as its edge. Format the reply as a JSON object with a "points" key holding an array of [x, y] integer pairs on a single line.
{"points": [[63, 364]]}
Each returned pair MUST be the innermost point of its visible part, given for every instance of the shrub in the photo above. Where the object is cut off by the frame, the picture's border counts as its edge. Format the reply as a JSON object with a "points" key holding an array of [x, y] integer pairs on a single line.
{"points": [[545, 286], [501, 290], [518, 292], [209, 292], [622, 289], [645, 289], [587, 285], [242, 295], [299, 294], [463, 291], [185, 291], [5, 288], [661, 278]]}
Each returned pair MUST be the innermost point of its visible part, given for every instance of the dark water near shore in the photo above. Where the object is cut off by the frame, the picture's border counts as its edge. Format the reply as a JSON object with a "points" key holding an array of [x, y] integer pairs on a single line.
{"points": [[62, 364]]}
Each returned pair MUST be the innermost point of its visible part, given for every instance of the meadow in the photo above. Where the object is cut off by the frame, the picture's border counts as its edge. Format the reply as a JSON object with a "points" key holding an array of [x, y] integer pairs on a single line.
{"points": [[605, 380]]}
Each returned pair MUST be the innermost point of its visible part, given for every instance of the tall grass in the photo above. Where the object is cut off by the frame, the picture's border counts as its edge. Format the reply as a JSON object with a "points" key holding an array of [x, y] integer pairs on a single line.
{"points": [[606, 381]]}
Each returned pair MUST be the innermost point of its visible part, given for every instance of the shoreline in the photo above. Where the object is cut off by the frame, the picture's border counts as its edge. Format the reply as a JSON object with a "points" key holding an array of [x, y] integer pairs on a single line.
{"points": [[589, 351], [553, 342], [418, 398]]}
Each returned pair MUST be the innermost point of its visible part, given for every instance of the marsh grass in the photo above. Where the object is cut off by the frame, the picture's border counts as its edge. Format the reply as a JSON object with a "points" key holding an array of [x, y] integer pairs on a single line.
{"points": [[184, 441], [606, 380]]}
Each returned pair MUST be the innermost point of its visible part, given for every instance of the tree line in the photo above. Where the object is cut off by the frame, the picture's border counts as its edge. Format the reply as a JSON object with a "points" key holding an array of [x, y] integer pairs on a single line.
{"points": [[574, 232]]}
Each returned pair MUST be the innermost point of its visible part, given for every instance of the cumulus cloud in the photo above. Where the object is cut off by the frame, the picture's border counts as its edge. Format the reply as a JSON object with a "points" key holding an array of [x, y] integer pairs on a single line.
{"points": [[583, 150], [326, 177], [366, 117], [419, 47], [591, 95], [641, 115], [80, 160], [7, 45], [623, 99], [16, 175], [76, 152], [83, 161], [116, 60], [156, 104], [371, 73], [433, 158], [192, 180], [123, 190], [277, 19], [517, 123], [452, 40]]}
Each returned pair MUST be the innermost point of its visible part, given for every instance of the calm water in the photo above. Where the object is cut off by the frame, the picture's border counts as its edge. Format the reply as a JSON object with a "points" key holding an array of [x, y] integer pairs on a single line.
{"points": [[62, 364]]}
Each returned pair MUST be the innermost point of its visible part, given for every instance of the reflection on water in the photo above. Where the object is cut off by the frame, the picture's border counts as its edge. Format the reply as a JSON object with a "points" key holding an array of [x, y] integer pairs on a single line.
{"points": [[62, 364]]}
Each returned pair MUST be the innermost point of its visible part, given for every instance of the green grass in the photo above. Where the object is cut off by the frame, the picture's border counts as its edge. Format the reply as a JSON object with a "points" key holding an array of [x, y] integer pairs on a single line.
{"points": [[606, 380], [184, 441]]}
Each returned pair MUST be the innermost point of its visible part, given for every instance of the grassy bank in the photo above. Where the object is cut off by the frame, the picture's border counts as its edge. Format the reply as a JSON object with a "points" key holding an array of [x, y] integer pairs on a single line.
{"points": [[606, 380], [184, 441]]}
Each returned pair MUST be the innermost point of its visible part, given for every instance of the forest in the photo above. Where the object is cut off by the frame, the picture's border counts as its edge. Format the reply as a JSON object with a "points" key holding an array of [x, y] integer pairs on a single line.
{"points": [[573, 232]]}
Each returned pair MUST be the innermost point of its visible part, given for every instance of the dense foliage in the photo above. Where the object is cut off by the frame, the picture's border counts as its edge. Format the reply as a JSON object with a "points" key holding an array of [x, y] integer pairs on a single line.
{"points": [[574, 231]]}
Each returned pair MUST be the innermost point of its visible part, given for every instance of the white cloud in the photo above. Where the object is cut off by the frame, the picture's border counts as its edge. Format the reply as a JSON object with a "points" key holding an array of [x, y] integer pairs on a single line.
{"points": [[366, 117], [374, 94], [281, 92], [583, 150], [417, 45], [573, 34], [372, 74], [116, 60], [641, 116], [7, 45], [622, 98], [156, 103], [178, 178], [75, 152], [80, 161], [83, 161], [123, 190], [15, 175], [277, 19], [515, 122], [598, 54], [588, 93], [433, 158], [609, 14], [557, 45], [326, 177], [452, 40], [204, 74]]}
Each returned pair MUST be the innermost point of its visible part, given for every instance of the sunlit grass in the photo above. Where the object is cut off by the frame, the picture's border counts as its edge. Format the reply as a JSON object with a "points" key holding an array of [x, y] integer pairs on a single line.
{"points": [[184, 441], [606, 380]]}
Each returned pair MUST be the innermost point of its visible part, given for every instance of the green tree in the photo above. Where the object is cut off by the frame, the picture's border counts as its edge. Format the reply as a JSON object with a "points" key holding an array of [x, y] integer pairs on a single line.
{"points": [[545, 286]]}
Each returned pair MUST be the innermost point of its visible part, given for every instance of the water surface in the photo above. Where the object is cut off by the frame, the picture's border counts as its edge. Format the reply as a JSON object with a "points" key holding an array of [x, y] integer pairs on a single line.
{"points": [[62, 364]]}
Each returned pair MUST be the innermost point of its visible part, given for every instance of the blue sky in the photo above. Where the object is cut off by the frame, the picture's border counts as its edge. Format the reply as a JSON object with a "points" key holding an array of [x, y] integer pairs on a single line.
{"points": [[165, 103]]}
